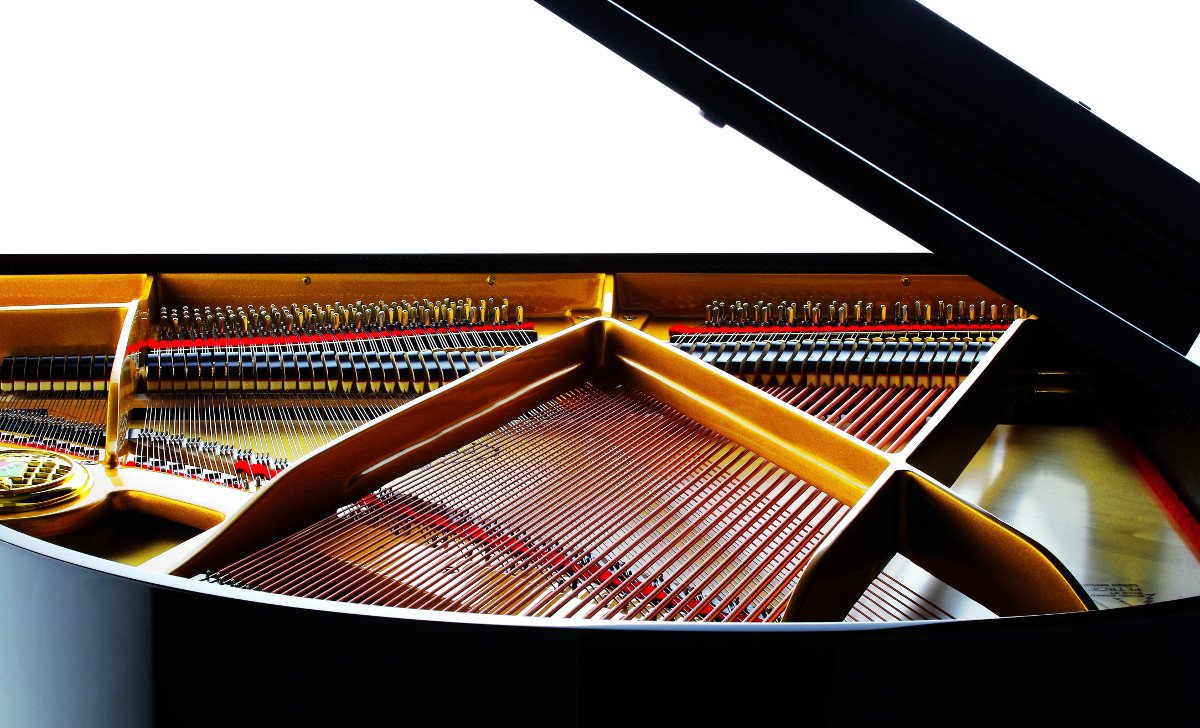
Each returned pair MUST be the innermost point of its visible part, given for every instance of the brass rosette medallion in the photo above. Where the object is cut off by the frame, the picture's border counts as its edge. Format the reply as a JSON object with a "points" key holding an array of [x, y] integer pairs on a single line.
{"points": [[32, 479]]}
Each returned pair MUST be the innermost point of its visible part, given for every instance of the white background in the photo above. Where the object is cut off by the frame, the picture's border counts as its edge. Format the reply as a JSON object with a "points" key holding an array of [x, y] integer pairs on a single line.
{"points": [[477, 125]]}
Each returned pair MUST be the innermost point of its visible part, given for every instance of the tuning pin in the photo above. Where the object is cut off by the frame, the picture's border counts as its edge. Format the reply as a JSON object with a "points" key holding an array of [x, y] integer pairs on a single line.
{"points": [[971, 315], [904, 314]]}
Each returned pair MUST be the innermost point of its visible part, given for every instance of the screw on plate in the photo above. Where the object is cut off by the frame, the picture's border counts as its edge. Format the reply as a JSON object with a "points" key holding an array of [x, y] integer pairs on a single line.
{"points": [[306, 280], [491, 280], [906, 280]]}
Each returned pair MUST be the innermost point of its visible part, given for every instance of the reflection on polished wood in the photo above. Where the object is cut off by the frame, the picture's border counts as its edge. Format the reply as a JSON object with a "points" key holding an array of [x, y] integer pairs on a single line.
{"points": [[1077, 491]]}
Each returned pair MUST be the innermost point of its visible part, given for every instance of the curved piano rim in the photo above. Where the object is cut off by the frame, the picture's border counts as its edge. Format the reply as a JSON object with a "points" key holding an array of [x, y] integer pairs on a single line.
{"points": [[141, 648]]}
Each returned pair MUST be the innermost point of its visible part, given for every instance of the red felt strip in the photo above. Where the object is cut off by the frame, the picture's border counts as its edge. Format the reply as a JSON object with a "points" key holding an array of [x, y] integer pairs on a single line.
{"points": [[683, 330], [234, 341]]}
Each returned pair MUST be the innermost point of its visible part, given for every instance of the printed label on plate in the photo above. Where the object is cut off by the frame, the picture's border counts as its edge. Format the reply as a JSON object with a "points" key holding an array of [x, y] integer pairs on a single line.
{"points": [[12, 468]]}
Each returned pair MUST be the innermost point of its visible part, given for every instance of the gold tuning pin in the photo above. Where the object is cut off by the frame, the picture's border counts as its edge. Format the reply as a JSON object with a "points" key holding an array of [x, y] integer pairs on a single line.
{"points": [[520, 314]]}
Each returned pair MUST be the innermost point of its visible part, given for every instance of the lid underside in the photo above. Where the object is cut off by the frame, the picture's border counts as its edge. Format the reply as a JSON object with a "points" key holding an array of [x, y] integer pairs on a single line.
{"points": [[950, 143]]}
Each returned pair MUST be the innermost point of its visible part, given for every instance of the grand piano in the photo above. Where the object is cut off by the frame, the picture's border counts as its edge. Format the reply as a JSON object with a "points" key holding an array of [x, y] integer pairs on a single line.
{"points": [[628, 488]]}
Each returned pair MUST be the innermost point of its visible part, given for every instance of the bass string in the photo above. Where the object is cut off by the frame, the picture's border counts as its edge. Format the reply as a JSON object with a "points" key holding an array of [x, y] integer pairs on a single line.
{"points": [[606, 514]]}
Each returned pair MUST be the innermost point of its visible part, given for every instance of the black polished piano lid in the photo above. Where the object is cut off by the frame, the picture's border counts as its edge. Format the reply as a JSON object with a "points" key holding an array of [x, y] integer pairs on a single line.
{"points": [[953, 145]]}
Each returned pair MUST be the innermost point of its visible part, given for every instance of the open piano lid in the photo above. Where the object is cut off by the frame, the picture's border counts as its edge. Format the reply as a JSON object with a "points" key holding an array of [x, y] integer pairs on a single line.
{"points": [[953, 145]]}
